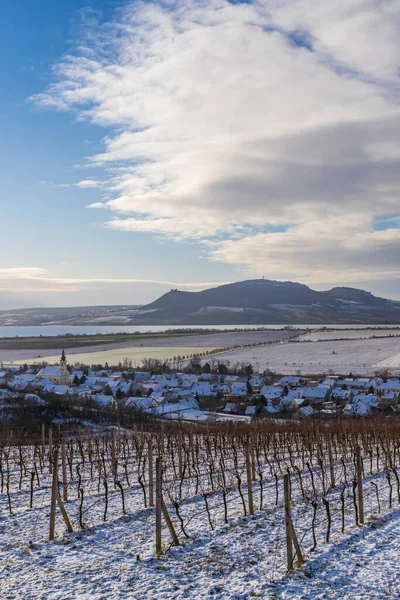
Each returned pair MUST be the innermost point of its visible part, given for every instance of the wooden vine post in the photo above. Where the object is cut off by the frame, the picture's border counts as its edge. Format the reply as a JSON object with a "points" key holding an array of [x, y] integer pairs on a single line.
{"points": [[180, 454], [161, 508], [318, 443], [289, 547], [291, 537], [158, 507], [249, 481], [43, 438], [253, 459], [50, 448], [151, 472], [360, 486], [113, 455], [64, 472], [56, 498], [331, 466], [53, 496]]}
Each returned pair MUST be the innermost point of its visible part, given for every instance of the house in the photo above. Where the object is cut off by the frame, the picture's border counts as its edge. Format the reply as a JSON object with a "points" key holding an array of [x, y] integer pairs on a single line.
{"points": [[391, 385], [229, 407], [239, 388], [291, 380], [57, 375], [297, 393], [229, 379], [202, 388], [186, 379], [105, 400], [330, 381], [291, 403], [304, 412], [250, 411], [319, 393], [60, 390], [168, 408], [369, 399], [142, 403], [341, 394], [362, 404], [20, 382], [256, 382], [142, 375], [390, 398], [271, 391]]}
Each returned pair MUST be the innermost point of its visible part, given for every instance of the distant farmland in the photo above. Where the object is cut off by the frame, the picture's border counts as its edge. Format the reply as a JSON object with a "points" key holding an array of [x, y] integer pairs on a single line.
{"points": [[116, 356], [38, 349], [341, 334], [341, 356]]}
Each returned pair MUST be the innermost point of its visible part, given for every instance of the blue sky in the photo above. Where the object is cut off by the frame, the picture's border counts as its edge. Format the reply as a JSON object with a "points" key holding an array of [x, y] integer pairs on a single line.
{"points": [[216, 149], [49, 227]]}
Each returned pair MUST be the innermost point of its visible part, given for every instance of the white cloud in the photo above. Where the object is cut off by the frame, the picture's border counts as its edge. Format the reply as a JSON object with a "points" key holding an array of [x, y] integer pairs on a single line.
{"points": [[89, 183], [292, 254], [237, 118]]}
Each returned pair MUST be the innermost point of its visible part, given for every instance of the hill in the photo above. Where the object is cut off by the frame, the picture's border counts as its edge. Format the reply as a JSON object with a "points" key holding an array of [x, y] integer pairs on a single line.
{"points": [[257, 301], [263, 301]]}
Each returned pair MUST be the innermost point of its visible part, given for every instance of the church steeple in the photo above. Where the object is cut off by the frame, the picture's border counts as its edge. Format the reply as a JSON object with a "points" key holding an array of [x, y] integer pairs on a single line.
{"points": [[64, 371]]}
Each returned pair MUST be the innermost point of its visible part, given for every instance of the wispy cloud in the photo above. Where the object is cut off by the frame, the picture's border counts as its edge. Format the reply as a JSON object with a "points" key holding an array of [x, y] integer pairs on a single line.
{"points": [[89, 183], [228, 117], [39, 274]]}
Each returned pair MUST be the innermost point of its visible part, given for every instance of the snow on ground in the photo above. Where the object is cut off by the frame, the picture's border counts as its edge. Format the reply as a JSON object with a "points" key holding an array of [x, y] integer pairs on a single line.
{"points": [[340, 334], [116, 356], [238, 560], [363, 566], [341, 356], [211, 340], [393, 362]]}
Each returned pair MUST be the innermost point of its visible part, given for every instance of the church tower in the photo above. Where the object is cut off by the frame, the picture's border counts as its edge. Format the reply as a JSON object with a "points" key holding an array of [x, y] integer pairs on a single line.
{"points": [[64, 377]]}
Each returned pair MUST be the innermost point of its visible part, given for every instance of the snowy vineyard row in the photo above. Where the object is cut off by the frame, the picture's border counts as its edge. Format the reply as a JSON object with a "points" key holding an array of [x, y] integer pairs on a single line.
{"points": [[211, 481]]}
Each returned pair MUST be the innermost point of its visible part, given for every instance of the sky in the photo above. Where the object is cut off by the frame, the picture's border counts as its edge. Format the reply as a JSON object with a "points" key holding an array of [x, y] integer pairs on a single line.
{"points": [[150, 145]]}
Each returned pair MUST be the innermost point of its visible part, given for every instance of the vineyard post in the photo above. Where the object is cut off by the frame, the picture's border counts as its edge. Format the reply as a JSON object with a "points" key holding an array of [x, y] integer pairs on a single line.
{"points": [[151, 472], [168, 520], [64, 471], [158, 506], [50, 446], [180, 454], [89, 439], [43, 438], [331, 467], [249, 481], [53, 496], [288, 520], [253, 459], [63, 511], [113, 462], [360, 485], [318, 440]]}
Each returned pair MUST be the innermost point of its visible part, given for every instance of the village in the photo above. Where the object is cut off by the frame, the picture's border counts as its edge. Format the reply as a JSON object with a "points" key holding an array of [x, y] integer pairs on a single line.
{"points": [[210, 394]]}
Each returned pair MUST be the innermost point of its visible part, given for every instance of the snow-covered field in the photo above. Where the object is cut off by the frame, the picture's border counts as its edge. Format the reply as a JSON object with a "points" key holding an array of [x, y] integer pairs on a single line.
{"points": [[172, 343], [340, 356], [340, 334], [240, 559], [116, 356]]}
